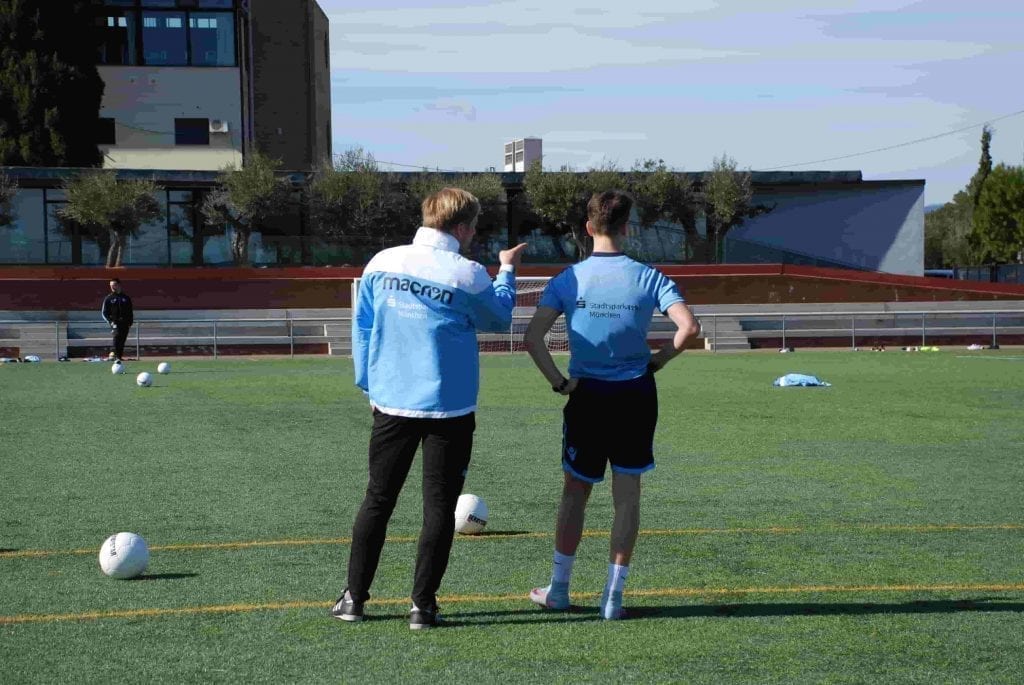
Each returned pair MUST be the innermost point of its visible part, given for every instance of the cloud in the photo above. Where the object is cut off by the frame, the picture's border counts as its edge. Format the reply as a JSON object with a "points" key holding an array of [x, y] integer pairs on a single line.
{"points": [[452, 108]]}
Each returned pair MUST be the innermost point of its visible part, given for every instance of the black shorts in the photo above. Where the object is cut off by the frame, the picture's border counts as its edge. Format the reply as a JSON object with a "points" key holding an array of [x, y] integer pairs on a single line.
{"points": [[609, 421]]}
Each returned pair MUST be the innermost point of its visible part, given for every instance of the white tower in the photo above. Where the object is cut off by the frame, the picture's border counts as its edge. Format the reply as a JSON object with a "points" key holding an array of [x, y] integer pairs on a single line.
{"points": [[522, 152]]}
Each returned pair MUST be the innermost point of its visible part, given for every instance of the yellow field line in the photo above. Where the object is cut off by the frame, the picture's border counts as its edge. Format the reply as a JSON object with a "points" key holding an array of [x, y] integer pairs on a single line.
{"points": [[678, 532], [492, 599]]}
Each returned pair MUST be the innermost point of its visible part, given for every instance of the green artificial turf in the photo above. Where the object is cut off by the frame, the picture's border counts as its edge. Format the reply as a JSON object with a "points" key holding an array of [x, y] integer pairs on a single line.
{"points": [[867, 532]]}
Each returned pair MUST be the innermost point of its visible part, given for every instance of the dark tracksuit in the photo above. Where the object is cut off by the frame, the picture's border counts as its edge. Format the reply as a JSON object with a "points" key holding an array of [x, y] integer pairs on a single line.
{"points": [[117, 311]]}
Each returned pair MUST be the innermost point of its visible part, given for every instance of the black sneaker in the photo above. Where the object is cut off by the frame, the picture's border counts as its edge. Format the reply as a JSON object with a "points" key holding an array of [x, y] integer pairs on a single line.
{"points": [[421, 619], [347, 609]]}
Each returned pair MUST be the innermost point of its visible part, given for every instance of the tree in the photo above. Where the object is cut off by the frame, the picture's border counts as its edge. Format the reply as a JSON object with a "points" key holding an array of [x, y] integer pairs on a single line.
{"points": [[977, 182], [949, 235], [728, 198], [560, 199], [999, 218], [354, 201], [244, 198], [662, 195], [946, 232], [108, 210], [487, 188], [50, 88], [8, 189]]}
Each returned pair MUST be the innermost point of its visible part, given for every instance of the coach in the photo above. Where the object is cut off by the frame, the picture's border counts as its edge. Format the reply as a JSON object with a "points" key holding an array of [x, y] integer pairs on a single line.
{"points": [[415, 354]]}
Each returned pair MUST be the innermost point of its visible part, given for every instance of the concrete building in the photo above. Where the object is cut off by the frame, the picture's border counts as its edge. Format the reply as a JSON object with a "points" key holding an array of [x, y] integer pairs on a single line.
{"points": [[522, 152], [197, 84]]}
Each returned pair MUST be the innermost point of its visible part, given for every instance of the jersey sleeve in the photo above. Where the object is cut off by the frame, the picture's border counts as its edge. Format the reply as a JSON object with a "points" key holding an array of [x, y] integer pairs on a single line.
{"points": [[492, 304], [666, 292], [362, 328], [554, 295]]}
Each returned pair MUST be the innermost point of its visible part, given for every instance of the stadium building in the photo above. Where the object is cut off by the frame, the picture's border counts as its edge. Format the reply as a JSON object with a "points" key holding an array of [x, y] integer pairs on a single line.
{"points": [[196, 84], [191, 86]]}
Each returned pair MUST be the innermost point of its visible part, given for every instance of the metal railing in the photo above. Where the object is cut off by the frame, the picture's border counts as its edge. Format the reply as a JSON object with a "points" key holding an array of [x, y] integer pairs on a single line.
{"points": [[867, 324], [787, 325], [215, 333]]}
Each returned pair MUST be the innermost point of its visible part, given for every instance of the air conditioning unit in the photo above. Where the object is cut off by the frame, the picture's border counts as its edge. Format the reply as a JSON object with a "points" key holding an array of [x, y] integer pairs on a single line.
{"points": [[218, 126]]}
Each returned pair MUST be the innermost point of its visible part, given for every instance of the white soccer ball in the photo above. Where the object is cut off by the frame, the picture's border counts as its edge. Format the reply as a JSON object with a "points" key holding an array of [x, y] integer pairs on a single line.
{"points": [[124, 555], [164, 367], [470, 515], [117, 369], [144, 380]]}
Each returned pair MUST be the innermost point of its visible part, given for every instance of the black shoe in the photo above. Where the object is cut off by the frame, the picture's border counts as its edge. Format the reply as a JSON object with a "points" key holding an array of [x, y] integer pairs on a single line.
{"points": [[347, 609], [421, 619]]}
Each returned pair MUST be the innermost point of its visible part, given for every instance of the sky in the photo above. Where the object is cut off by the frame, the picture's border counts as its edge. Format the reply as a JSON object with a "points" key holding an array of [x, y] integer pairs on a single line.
{"points": [[773, 84]]}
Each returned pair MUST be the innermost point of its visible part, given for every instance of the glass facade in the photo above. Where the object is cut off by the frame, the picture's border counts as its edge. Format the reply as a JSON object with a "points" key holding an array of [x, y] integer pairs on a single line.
{"points": [[59, 244], [164, 40], [212, 36], [181, 227], [118, 37], [24, 241], [149, 245], [166, 32]]}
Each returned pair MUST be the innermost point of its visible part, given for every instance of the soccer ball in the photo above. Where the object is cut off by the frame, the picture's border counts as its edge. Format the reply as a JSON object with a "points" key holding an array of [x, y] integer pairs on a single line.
{"points": [[470, 515], [117, 369], [144, 380], [164, 367], [124, 555]]}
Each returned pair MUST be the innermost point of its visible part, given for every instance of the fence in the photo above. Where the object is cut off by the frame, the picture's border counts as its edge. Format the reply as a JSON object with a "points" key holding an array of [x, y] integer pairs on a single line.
{"points": [[214, 336], [297, 335], [837, 326]]}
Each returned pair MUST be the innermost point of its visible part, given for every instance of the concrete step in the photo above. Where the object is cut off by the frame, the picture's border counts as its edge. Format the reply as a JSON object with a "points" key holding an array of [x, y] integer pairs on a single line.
{"points": [[720, 346]]}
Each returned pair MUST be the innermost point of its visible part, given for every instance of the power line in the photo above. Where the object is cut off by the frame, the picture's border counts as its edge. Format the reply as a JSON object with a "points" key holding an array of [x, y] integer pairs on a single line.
{"points": [[371, 158], [898, 145]]}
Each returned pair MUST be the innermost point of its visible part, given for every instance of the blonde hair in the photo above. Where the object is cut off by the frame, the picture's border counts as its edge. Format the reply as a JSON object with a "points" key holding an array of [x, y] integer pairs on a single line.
{"points": [[449, 207]]}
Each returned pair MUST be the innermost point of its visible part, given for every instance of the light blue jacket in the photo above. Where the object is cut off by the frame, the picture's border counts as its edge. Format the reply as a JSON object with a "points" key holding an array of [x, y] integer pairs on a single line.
{"points": [[417, 312]]}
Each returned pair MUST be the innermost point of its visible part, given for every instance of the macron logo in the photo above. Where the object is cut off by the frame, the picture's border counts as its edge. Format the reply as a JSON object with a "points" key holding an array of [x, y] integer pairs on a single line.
{"points": [[416, 288]]}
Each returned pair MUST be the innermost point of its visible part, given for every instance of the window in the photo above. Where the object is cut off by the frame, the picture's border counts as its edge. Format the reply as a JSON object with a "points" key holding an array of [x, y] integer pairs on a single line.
{"points": [[116, 35], [213, 38], [169, 36], [106, 133], [164, 41], [191, 131]]}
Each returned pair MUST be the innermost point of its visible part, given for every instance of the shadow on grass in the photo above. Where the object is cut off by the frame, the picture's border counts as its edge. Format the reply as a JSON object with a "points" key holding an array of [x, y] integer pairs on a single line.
{"points": [[165, 576], [577, 613], [501, 533], [8, 549]]}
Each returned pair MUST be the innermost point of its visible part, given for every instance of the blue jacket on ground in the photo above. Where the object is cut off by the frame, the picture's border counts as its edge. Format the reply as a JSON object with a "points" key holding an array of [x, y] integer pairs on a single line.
{"points": [[417, 312]]}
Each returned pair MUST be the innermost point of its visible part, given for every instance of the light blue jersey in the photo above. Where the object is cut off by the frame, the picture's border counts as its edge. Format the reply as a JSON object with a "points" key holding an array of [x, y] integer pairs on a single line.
{"points": [[608, 301], [416, 317]]}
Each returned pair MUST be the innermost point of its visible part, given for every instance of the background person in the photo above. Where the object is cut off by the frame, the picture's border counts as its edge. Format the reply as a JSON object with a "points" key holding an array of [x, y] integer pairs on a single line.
{"points": [[117, 312]]}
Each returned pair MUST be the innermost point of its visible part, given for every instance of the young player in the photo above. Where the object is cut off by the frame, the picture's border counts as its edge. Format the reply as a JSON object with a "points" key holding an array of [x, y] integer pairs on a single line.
{"points": [[608, 300]]}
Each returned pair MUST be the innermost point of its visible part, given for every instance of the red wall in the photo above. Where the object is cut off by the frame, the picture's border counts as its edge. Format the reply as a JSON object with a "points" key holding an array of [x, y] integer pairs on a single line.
{"points": [[78, 288]]}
